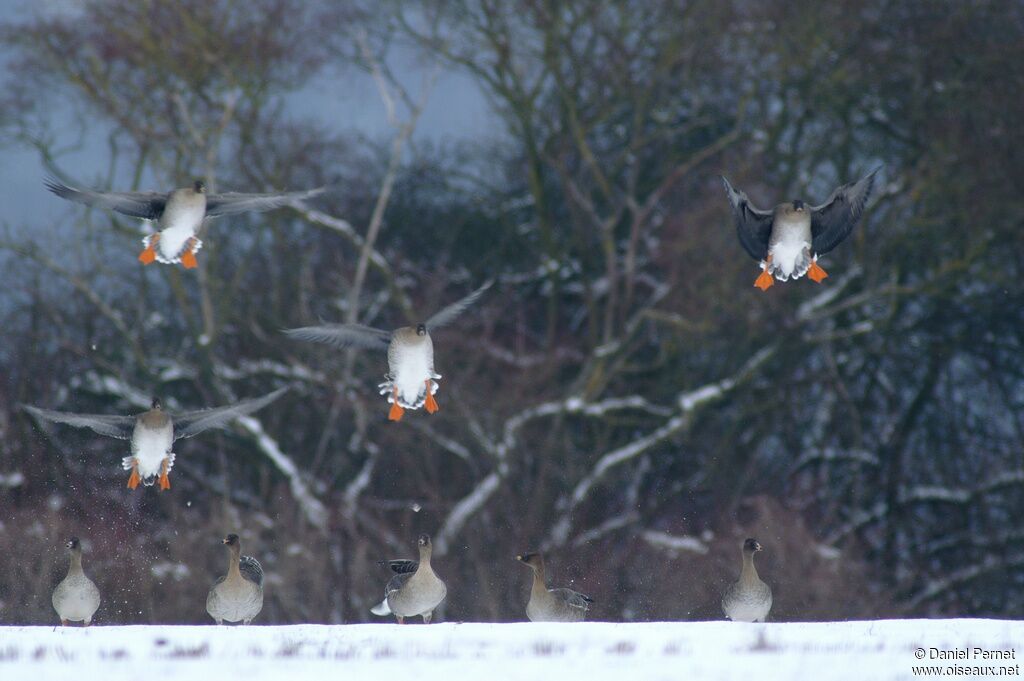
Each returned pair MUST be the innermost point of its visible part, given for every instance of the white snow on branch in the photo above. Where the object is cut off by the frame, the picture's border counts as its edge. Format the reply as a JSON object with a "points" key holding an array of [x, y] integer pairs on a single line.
{"points": [[688, 402], [962, 495], [859, 520], [963, 575], [311, 507], [674, 543], [466, 507]]}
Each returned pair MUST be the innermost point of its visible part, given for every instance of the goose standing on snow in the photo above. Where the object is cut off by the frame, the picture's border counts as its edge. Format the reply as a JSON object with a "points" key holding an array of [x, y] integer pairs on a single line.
{"points": [[748, 599], [552, 605], [76, 598], [179, 214], [788, 240], [415, 589], [152, 433], [411, 381], [238, 595]]}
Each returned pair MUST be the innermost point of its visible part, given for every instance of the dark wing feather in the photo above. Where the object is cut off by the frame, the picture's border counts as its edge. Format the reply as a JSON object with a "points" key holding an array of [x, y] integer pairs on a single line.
{"points": [[232, 203], [448, 314], [146, 205], [753, 226], [396, 583], [112, 426], [194, 422], [343, 336], [573, 598], [401, 567], [832, 221], [251, 570]]}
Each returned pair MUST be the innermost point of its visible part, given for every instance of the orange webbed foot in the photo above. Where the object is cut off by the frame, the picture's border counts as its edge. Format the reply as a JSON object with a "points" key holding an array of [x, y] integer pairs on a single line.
{"points": [[764, 281], [149, 254], [165, 482], [133, 479], [431, 403], [395, 414], [188, 258], [815, 271]]}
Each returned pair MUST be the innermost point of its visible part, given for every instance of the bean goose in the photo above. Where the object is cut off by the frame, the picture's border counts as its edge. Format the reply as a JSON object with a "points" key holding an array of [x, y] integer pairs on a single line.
{"points": [[415, 589], [788, 240], [76, 598], [748, 599], [552, 605], [411, 381], [179, 214], [238, 595]]}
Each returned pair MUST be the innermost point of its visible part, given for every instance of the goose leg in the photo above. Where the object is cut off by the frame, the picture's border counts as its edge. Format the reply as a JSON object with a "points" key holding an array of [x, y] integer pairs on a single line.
{"points": [[63, 623], [401, 620], [764, 280], [133, 479], [427, 616], [431, 403], [815, 271], [188, 258], [149, 254], [88, 621], [165, 482], [395, 414]]}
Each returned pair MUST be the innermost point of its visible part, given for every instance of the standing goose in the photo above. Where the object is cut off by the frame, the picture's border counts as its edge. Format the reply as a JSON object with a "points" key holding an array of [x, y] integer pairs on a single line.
{"points": [[152, 433], [552, 605], [414, 590], [788, 240], [238, 595], [76, 598], [411, 381], [179, 214], [748, 599]]}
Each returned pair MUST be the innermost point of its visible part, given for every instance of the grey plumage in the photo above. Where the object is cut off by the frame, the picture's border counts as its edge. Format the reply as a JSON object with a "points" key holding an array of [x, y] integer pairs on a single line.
{"points": [[411, 380], [150, 205], [76, 598], [186, 424], [552, 605], [788, 240], [179, 214], [237, 595], [748, 599], [154, 431], [415, 589], [366, 337]]}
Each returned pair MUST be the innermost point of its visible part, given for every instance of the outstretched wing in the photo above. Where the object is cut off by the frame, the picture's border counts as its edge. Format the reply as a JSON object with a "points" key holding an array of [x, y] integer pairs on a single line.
{"points": [[573, 598], [401, 567], [832, 221], [233, 203], [112, 426], [343, 336], [753, 226], [448, 314], [146, 205], [194, 422]]}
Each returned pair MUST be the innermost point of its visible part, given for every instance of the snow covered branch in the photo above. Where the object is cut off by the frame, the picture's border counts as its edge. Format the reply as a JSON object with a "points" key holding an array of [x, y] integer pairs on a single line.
{"points": [[311, 507]]}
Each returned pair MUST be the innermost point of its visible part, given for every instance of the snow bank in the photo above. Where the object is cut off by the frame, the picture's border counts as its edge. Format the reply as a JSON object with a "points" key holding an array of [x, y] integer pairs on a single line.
{"points": [[876, 650]]}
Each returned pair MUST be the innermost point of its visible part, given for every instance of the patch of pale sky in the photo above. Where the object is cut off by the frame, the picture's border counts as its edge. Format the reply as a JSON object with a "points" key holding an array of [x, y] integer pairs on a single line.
{"points": [[455, 111]]}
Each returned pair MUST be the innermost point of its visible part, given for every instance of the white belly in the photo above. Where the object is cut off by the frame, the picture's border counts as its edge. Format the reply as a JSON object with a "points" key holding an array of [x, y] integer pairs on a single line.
{"points": [[176, 228], [790, 248], [150, 448], [411, 370]]}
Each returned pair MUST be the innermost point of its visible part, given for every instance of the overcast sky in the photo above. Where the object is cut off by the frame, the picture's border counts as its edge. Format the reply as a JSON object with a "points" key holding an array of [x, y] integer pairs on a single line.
{"points": [[456, 111]]}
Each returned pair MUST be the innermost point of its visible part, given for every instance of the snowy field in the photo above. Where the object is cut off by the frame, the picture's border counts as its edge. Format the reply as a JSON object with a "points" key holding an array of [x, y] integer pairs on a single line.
{"points": [[581, 652]]}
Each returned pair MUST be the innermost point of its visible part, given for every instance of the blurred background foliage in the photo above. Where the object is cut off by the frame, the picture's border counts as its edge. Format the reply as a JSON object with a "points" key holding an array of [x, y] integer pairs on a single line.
{"points": [[623, 399]]}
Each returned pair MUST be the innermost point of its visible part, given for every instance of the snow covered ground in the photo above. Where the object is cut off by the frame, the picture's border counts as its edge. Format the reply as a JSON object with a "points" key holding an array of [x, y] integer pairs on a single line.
{"points": [[580, 652]]}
